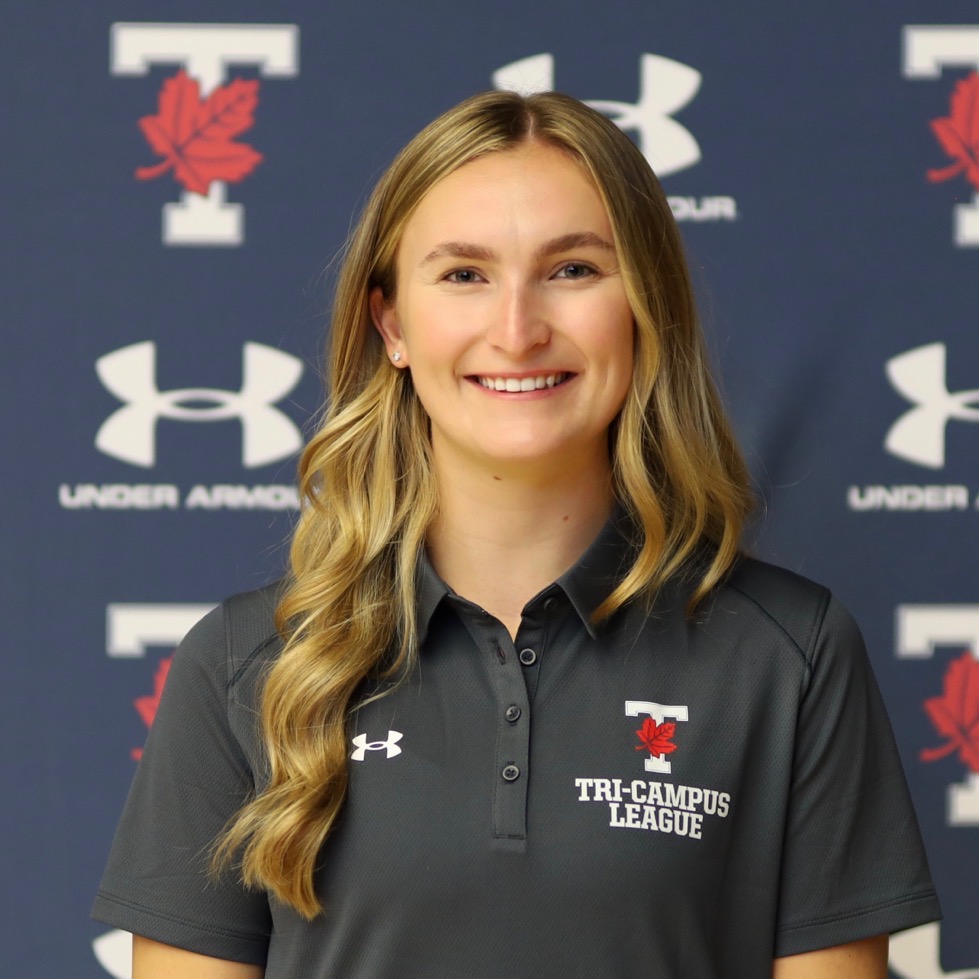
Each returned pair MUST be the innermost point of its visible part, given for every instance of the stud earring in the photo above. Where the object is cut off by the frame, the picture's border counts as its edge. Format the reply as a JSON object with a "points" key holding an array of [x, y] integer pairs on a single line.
{"points": [[396, 356]]}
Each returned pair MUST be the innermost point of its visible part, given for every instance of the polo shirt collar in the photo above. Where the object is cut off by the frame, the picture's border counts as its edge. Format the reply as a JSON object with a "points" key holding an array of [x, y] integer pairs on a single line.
{"points": [[587, 583], [594, 576], [430, 589]]}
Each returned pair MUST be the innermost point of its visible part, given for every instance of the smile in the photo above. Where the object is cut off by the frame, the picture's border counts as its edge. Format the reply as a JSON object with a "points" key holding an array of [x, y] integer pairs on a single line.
{"points": [[517, 384]]}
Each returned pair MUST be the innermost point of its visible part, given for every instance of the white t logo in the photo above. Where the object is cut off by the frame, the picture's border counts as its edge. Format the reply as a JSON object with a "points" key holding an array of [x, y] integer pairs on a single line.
{"points": [[205, 51], [659, 713], [918, 630], [362, 745], [928, 49], [665, 87], [129, 433], [131, 627], [919, 434]]}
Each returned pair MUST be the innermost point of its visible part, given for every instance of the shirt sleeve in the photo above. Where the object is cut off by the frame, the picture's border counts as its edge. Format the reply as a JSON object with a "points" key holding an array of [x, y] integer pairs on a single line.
{"points": [[853, 864], [193, 776]]}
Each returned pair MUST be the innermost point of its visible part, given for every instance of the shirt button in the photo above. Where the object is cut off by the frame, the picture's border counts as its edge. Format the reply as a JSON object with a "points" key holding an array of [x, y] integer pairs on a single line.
{"points": [[549, 603], [527, 656], [512, 713], [511, 773]]}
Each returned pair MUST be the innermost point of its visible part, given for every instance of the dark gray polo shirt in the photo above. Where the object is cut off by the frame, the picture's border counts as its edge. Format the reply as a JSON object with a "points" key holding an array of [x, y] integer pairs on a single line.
{"points": [[653, 796]]}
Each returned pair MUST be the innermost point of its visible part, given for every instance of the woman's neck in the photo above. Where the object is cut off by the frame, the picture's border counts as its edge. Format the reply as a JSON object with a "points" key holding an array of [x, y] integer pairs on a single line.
{"points": [[499, 540]]}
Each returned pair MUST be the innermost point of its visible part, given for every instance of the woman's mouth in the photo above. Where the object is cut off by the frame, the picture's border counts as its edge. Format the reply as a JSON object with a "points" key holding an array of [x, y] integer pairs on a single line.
{"points": [[515, 385]]}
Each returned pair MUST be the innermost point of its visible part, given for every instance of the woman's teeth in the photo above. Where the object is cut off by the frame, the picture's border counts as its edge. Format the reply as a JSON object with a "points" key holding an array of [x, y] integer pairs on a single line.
{"points": [[517, 384]]}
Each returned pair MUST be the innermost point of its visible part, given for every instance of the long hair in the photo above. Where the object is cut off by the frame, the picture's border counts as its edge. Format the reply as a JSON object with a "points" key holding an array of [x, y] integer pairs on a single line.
{"points": [[369, 496]]}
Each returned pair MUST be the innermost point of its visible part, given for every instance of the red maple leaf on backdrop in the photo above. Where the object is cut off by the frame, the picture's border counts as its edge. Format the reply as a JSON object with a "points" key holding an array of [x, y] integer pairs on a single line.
{"points": [[956, 713], [958, 133], [195, 136], [657, 739], [146, 706]]}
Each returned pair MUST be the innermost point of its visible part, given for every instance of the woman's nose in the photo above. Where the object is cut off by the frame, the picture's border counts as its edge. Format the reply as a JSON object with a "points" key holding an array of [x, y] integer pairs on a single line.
{"points": [[518, 322]]}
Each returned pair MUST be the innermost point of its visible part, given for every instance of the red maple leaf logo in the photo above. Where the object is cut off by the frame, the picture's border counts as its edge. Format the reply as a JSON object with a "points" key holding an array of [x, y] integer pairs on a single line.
{"points": [[195, 136], [958, 133], [657, 739], [146, 706], [956, 713]]}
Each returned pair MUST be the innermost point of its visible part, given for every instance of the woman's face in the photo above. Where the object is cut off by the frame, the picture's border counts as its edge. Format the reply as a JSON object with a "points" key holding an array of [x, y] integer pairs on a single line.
{"points": [[511, 315]]}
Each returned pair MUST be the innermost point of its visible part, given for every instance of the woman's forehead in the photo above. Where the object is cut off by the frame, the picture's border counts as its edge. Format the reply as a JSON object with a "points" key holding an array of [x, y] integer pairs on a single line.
{"points": [[530, 190]]}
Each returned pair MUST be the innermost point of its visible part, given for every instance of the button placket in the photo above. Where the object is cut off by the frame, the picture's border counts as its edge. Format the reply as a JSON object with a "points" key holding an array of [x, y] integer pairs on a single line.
{"points": [[511, 678], [531, 642], [512, 743]]}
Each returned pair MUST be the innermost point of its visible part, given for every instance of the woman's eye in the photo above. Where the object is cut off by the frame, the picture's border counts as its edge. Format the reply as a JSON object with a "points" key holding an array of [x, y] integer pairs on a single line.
{"points": [[575, 270], [462, 276]]}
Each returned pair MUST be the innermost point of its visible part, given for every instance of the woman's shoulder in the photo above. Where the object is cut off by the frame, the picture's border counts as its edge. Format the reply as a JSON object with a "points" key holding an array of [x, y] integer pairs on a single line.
{"points": [[217, 671], [795, 605], [235, 634], [249, 624], [774, 588]]}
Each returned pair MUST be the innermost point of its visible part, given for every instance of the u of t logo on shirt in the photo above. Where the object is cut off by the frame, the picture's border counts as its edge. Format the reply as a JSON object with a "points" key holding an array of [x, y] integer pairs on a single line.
{"points": [[659, 713]]}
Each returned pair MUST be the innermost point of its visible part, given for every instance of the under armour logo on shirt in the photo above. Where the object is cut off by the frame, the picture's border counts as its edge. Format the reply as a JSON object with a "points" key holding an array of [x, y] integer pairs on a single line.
{"points": [[362, 745]]}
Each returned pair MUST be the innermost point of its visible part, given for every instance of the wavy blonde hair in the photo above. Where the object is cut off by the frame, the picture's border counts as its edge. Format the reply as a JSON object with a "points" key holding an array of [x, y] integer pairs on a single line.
{"points": [[348, 611]]}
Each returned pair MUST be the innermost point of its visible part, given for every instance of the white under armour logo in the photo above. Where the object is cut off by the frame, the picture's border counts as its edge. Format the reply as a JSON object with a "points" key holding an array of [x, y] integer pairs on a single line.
{"points": [[919, 434], [363, 745], [665, 87], [129, 433]]}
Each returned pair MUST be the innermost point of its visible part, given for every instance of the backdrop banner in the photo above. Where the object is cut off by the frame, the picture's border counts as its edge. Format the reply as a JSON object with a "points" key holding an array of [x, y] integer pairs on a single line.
{"points": [[164, 315]]}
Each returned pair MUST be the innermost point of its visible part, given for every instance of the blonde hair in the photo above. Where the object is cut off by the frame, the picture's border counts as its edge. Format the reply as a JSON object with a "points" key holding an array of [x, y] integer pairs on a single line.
{"points": [[348, 612]]}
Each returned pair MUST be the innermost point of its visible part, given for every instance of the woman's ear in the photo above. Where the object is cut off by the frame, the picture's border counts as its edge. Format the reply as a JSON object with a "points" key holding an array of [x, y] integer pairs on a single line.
{"points": [[387, 323]]}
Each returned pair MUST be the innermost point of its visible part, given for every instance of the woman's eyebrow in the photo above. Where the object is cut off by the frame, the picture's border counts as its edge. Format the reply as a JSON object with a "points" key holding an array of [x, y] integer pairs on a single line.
{"points": [[480, 253], [576, 239], [461, 249]]}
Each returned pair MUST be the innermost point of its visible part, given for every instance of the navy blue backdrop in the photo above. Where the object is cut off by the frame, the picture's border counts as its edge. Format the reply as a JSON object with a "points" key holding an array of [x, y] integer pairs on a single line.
{"points": [[164, 323]]}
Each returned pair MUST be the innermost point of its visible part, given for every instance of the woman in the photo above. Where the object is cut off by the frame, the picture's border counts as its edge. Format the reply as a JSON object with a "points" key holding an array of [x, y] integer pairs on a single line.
{"points": [[521, 707]]}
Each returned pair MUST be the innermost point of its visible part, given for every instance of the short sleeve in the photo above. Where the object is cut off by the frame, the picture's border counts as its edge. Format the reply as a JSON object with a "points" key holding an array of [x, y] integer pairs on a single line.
{"points": [[853, 864], [193, 776]]}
